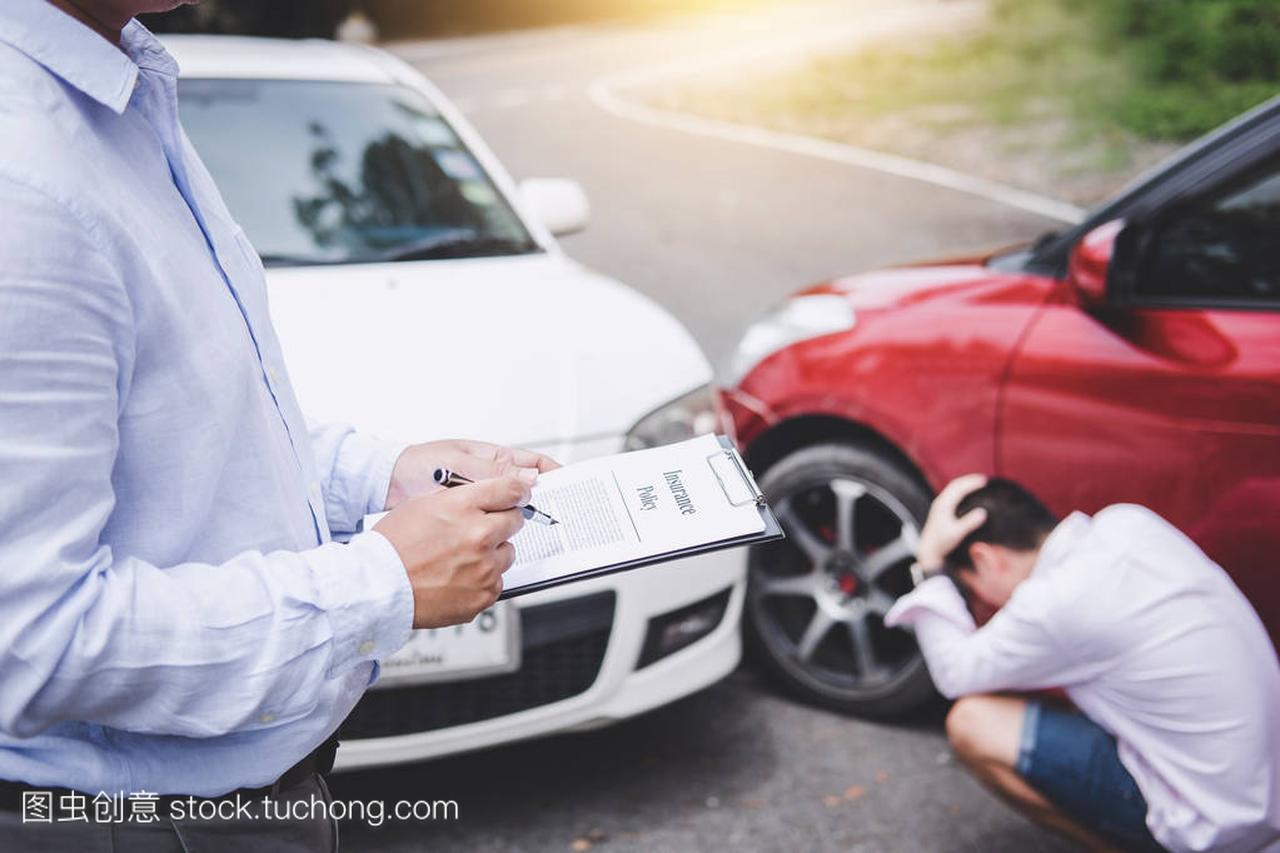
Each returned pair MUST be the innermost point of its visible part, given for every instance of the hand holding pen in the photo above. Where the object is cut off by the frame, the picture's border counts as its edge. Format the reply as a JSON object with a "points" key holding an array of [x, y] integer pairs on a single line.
{"points": [[450, 479]]}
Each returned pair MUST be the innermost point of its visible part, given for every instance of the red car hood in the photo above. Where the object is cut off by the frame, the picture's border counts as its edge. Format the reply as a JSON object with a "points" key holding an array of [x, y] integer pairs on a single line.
{"points": [[906, 285]]}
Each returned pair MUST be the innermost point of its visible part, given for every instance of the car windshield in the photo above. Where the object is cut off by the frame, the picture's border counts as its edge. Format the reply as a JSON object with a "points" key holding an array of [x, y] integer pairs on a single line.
{"points": [[343, 173]]}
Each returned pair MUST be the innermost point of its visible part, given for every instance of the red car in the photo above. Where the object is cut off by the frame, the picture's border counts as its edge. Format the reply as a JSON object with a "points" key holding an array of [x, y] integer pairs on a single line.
{"points": [[1133, 358]]}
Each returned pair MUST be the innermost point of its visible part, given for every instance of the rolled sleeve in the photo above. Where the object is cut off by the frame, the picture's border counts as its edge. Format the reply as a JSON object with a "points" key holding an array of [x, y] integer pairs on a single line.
{"points": [[355, 473]]}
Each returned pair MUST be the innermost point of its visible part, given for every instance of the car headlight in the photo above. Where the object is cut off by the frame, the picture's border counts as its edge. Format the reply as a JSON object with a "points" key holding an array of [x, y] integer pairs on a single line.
{"points": [[797, 319], [688, 416]]}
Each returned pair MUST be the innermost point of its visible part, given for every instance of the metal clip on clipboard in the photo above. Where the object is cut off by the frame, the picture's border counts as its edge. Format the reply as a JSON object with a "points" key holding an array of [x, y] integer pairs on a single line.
{"points": [[735, 480]]}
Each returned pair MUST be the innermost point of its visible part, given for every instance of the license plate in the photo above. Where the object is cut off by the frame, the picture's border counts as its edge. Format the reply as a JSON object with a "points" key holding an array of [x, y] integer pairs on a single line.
{"points": [[488, 645]]}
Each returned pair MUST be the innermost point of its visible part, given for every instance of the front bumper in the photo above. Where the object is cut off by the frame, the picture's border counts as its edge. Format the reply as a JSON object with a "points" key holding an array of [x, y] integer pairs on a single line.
{"points": [[617, 691]]}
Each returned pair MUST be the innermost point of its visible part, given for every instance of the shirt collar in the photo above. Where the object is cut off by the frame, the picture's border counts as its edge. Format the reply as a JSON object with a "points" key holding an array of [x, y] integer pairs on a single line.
{"points": [[1058, 544], [79, 56]]}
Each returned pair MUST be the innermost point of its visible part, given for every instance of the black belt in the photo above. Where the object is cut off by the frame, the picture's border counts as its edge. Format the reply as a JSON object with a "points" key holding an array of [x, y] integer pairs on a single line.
{"points": [[319, 760]]}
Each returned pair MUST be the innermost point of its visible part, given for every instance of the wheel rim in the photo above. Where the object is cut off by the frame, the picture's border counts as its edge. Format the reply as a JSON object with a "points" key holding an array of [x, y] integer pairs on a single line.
{"points": [[818, 599]]}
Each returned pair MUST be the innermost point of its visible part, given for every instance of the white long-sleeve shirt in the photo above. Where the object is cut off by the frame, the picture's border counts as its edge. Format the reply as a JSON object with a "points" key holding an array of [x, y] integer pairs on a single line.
{"points": [[173, 615], [1153, 641]]}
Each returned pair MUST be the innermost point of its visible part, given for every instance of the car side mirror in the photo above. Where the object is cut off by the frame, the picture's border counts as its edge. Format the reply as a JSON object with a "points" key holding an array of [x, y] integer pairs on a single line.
{"points": [[560, 205], [1090, 262]]}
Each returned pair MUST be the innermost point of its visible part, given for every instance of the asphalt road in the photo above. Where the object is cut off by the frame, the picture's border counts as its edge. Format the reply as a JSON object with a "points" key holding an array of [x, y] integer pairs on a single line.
{"points": [[716, 231]]}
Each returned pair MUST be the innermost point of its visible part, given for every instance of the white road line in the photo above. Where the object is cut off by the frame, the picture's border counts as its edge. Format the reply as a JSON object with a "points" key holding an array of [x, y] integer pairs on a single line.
{"points": [[863, 158], [605, 93]]}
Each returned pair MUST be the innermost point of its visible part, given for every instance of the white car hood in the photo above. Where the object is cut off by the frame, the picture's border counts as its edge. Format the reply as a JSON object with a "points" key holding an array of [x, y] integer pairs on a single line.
{"points": [[529, 350]]}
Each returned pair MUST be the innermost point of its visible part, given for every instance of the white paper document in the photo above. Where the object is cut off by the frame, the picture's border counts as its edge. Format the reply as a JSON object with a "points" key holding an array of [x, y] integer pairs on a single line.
{"points": [[633, 507]]}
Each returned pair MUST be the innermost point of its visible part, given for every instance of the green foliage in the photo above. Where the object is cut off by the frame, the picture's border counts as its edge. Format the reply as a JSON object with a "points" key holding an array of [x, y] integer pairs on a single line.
{"points": [[1184, 111], [1191, 41], [1165, 70], [1194, 63]]}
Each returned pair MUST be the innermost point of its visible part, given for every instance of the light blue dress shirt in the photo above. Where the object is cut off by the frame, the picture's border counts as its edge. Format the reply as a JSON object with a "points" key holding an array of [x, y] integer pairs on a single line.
{"points": [[173, 615]]}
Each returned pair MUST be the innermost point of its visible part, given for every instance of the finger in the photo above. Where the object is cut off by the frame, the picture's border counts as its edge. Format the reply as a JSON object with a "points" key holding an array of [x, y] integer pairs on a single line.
{"points": [[482, 461], [491, 593], [532, 459], [508, 462], [960, 488], [506, 558], [498, 494], [503, 526], [969, 522], [480, 449], [965, 484]]}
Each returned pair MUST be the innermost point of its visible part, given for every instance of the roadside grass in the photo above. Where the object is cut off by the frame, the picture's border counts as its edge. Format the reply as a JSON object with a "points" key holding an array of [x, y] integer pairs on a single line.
{"points": [[1036, 93]]}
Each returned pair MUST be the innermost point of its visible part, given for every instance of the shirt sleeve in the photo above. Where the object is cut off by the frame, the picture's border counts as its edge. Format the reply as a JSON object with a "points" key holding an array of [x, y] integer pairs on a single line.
{"points": [[355, 473], [1018, 649], [88, 635]]}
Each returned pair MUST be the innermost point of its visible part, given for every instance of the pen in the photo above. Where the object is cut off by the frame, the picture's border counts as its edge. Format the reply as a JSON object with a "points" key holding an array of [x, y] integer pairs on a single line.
{"points": [[449, 479]]}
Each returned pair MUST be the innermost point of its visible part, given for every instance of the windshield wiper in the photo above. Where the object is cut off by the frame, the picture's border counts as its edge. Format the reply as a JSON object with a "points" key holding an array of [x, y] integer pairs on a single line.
{"points": [[458, 244], [296, 261], [455, 243]]}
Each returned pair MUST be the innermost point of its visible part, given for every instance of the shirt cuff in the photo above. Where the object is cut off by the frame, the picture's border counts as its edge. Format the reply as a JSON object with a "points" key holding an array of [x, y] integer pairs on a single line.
{"points": [[365, 591], [361, 477], [937, 596]]}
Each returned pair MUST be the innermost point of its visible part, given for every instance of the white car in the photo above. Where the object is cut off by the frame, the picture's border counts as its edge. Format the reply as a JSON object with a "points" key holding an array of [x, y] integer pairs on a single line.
{"points": [[419, 293]]}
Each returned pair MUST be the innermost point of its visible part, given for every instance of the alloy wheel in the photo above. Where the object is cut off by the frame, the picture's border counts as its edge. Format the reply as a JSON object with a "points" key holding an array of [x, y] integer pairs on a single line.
{"points": [[819, 598]]}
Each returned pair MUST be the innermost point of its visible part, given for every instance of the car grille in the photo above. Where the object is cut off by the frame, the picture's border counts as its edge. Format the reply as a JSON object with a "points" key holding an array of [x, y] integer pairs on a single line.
{"points": [[563, 646]]}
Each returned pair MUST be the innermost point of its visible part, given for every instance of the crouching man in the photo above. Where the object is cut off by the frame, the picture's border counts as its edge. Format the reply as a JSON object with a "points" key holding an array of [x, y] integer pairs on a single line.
{"points": [[1174, 739]]}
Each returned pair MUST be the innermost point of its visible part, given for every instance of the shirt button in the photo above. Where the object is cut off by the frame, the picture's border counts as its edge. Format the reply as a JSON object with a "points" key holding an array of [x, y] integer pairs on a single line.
{"points": [[366, 648]]}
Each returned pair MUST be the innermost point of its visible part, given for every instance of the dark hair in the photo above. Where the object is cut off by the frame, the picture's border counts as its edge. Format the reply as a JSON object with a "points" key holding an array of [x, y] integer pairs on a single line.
{"points": [[1015, 519]]}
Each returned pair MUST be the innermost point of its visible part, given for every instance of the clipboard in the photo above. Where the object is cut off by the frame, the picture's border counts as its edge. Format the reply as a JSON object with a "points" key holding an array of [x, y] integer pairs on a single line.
{"points": [[739, 486]]}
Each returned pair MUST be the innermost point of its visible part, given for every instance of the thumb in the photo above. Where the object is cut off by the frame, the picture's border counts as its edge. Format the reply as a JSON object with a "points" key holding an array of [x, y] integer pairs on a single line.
{"points": [[499, 494]]}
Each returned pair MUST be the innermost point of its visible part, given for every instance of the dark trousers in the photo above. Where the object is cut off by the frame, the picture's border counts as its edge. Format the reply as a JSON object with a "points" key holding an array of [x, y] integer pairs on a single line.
{"points": [[291, 823]]}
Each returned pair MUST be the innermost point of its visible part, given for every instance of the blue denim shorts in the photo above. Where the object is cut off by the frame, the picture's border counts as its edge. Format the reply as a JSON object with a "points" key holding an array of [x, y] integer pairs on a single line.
{"points": [[1073, 762]]}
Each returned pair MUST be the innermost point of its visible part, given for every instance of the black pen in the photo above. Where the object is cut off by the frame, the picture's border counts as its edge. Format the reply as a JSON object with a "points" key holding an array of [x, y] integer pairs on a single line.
{"points": [[449, 479]]}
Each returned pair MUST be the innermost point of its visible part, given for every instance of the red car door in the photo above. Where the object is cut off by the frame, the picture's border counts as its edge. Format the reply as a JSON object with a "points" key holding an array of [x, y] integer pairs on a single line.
{"points": [[1170, 395]]}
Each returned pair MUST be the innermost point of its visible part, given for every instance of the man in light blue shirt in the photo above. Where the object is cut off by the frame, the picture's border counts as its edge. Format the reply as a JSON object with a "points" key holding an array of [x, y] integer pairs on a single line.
{"points": [[174, 615]]}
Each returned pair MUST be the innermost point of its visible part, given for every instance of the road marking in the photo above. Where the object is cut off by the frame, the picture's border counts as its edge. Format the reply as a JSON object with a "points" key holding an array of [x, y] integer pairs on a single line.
{"points": [[605, 92], [863, 158]]}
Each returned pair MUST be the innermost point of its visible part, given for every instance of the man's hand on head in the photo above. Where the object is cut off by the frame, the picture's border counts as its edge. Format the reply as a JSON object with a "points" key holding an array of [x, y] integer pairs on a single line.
{"points": [[943, 531], [475, 460]]}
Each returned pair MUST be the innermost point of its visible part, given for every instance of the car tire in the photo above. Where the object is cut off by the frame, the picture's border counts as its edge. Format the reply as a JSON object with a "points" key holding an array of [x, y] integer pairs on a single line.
{"points": [[845, 573]]}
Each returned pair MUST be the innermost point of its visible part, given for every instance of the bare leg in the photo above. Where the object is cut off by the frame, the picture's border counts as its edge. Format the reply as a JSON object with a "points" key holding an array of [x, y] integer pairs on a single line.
{"points": [[985, 732]]}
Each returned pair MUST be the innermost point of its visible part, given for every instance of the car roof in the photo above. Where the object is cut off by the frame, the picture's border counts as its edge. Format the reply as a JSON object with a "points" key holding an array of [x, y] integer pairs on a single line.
{"points": [[245, 57]]}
